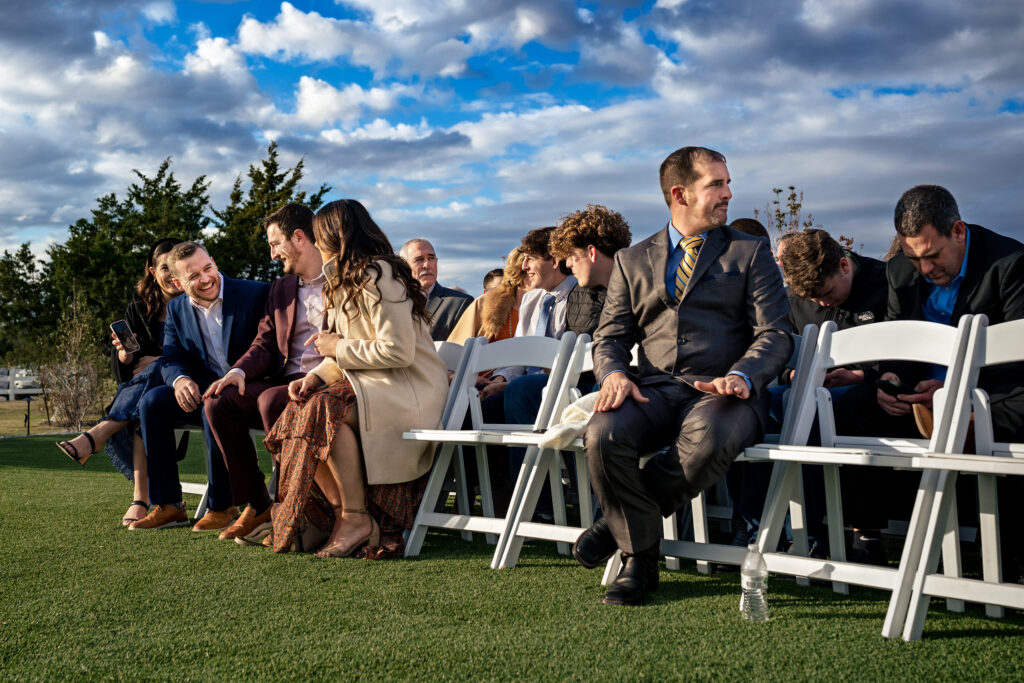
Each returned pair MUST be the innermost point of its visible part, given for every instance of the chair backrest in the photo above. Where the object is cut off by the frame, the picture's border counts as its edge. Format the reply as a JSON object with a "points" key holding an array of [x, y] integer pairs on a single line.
{"points": [[541, 352], [986, 346], [450, 352], [899, 340], [800, 362], [451, 415]]}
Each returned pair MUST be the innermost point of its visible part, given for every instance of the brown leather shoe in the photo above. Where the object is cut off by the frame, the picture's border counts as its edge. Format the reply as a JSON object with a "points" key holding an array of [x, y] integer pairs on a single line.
{"points": [[248, 523], [215, 520], [162, 517]]}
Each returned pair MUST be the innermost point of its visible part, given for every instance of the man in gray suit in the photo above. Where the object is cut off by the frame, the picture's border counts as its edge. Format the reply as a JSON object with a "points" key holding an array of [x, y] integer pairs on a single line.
{"points": [[446, 305], [707, 307]]}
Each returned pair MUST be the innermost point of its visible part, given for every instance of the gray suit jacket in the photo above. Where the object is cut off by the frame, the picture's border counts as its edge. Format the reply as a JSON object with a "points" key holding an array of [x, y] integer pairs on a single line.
{"points": [[446, 306], [734, 315]]}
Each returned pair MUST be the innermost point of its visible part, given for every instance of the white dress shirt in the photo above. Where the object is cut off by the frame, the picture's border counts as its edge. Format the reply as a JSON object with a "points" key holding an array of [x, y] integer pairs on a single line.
{"points": [[308, 319], [529, 314], [211, 325]]}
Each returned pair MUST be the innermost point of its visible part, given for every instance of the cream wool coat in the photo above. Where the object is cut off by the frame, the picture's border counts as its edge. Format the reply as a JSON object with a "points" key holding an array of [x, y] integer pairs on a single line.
{"points": [[399, 380]]}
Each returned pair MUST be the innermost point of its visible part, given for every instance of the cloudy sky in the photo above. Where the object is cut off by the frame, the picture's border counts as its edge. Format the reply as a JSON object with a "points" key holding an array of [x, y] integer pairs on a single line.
{"points": [[473, 121]]}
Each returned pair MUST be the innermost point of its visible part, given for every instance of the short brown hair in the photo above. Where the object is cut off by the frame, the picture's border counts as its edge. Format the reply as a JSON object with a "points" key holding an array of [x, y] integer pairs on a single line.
{"points": [[811, 257], [750, 226], [926, 205], [607, 230], [182, 251], [292, 217], [538, 242], [678, 168]]}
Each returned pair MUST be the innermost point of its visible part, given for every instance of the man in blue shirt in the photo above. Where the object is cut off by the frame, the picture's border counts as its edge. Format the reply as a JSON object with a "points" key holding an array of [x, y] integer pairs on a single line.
{"points": [[947, 269]]}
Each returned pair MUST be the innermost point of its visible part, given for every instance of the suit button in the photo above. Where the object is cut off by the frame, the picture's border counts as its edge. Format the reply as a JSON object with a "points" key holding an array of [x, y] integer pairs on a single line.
{"points": [[681, 341]]}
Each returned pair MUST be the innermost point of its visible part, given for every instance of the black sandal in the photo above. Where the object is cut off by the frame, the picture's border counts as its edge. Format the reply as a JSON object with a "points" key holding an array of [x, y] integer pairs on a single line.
{"points": [[72, 452], [128, 520]]}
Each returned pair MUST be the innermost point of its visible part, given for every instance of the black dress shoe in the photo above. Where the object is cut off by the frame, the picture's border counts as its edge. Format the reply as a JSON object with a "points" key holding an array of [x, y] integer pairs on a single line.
{"points": [[637, 579], [595, 545]]}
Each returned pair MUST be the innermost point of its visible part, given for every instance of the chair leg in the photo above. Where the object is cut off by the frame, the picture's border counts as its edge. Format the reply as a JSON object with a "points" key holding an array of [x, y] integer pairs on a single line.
{"points": [[529, 483], [486, 495], [701, 534], [988, 507], [836, 530], [798, 523], [780, 492], [912, 556], [435, 484], [462, 500], [611, 570], [670, 531], [554, 461], [951, 565], [942, 484]]}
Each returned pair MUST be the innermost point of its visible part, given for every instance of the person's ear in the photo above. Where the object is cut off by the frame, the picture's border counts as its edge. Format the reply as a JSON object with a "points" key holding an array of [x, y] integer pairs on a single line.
{"points": [[678, 193], [592, 253], [960, 232]]}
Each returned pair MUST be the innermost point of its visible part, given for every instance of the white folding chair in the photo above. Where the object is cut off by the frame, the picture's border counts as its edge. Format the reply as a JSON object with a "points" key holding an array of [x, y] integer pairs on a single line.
{"points": [[988, 346], [543, 352], [894, 340]]}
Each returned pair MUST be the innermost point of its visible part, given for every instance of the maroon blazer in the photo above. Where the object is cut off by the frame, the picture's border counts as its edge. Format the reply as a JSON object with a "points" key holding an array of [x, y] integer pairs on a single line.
{"points": [[268, 353]]}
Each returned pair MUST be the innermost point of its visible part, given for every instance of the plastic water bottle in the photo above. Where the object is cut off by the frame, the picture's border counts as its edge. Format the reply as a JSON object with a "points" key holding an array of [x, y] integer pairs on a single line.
{"points": [[754, 581]]}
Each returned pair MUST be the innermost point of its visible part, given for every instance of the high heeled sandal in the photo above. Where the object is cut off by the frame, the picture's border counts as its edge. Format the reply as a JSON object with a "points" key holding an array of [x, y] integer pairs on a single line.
{"points": [[128, 520], [72, 452], [372, 540]]}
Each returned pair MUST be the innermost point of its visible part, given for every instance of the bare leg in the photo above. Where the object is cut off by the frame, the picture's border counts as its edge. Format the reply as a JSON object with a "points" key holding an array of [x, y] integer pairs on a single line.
{"points": [[325, 480], [141, 491], [352, 525], [99, 433]]}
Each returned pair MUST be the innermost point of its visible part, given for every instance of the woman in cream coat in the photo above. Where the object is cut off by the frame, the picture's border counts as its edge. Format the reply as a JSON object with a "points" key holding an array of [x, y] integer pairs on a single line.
{"points": [[340, 439]]}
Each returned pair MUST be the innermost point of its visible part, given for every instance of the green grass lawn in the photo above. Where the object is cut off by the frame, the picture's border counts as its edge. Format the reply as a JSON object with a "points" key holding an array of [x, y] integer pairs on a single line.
{"points": [[82, 597]]}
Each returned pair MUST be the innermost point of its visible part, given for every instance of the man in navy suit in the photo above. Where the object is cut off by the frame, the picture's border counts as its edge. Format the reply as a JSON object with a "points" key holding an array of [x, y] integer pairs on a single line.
{"points": [[445, 305], [206, 331]]}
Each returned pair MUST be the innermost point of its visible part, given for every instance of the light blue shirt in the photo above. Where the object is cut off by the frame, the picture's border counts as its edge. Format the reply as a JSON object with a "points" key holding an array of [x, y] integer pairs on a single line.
{"points": [[938, 307]]}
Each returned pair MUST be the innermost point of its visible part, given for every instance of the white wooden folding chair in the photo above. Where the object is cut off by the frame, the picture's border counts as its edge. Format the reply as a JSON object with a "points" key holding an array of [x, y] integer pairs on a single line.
{"points": [[543, 352], [988, 346], [894, 340]]}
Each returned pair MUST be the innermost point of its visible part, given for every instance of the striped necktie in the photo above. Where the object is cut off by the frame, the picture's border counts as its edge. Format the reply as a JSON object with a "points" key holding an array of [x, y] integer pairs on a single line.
{"points": [[691, 247]]}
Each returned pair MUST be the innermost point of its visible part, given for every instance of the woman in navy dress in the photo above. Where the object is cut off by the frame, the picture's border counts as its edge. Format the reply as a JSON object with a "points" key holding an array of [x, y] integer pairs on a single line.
{"points": [[136, 373]]}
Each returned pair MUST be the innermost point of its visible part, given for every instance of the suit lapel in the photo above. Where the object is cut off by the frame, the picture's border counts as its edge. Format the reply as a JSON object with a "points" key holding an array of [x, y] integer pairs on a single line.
{"points": [[972, 277], [228, 293], [713, 245], [291, 312], [192, 328], [657, 256]]}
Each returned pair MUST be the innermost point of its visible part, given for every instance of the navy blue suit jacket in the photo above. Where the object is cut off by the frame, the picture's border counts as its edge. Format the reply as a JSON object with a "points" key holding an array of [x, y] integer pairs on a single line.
{"points": [[185, 353]]}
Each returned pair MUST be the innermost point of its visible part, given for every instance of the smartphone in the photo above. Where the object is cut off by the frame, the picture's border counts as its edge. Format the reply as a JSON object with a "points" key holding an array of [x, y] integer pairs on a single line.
{"points": [[893, 388], [125, 336]]}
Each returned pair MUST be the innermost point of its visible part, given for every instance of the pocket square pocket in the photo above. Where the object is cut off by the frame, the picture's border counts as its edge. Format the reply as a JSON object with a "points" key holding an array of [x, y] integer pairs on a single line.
{"points": [[723, 278]]}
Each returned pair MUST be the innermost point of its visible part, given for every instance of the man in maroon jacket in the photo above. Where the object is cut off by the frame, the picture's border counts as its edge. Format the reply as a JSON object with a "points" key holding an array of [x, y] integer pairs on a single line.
{"points": [[254, 391]]}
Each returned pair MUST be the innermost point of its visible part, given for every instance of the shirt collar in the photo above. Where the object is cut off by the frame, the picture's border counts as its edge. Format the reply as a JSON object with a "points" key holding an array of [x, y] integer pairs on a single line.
{"points": [[318, 280], [431, 290], [677, 235], [561, 292]]}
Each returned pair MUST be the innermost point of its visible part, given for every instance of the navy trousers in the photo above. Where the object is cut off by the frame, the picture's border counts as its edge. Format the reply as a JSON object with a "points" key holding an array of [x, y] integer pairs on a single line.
{"points": [[159, 414]]}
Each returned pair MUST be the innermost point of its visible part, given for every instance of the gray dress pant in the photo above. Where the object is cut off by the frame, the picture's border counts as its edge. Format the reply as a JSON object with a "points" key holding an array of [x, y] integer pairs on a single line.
{"points": [[703, 433]]}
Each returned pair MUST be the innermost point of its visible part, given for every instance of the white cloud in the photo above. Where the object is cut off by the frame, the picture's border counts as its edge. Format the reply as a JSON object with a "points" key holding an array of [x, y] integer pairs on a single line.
{"points": [[318, 103], [160, 12], [217, 56]]}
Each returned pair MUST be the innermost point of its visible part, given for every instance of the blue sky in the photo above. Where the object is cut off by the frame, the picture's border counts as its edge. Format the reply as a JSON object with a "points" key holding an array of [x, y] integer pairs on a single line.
{"points": [[473, 122]]}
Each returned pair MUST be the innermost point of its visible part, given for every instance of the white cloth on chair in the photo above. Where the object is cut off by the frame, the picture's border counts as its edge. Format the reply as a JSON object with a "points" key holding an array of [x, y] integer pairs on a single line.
{"points": [[571, 424]]}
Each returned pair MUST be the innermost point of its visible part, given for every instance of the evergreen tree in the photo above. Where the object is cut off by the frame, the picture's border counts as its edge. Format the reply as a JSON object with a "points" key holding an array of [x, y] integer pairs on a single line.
{"points": [[240, 244], [104, 256], [27, 314]]}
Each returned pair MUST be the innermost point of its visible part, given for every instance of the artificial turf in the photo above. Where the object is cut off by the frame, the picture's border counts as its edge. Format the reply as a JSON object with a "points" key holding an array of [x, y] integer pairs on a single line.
{"points": [[81, 597]]}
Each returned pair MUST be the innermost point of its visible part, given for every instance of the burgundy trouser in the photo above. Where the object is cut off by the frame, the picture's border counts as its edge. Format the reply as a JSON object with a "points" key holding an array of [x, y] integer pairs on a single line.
{"points": [[231, 415]]}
